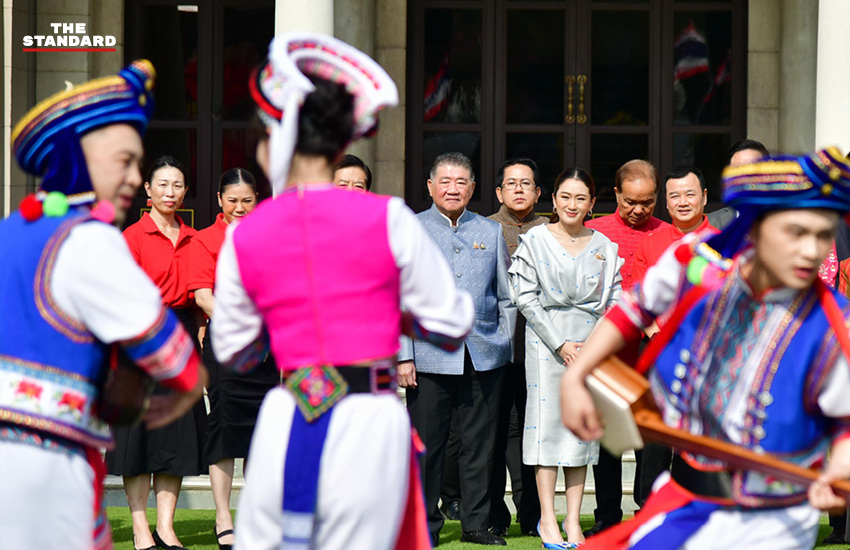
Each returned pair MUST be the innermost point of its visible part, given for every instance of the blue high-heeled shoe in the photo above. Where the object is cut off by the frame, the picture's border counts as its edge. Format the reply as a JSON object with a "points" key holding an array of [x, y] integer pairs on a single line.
{"points": [[570, 545], [556, 545]]}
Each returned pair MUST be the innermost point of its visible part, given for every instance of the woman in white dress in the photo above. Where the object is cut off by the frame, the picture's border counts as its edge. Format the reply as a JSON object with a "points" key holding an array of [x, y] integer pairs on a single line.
{"points": [[564, 277]]}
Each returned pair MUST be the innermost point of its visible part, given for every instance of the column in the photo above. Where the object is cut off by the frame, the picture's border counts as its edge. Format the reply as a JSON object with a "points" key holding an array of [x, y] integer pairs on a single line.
{"points": [[298, 15], [832, 126], [797, 74]]}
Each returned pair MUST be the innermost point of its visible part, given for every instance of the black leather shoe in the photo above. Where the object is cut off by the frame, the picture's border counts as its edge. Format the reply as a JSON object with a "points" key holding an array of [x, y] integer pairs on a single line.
{"points": [[161, 544], [482, 537], [598, 527], [499, 531], [529, 531], [451, 510], [834, 538]]}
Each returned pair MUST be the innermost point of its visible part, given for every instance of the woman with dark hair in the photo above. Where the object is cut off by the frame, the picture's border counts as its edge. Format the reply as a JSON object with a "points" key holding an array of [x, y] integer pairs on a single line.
{"points": [[331, 459], [159, 242], [564, 277], [234, 400]]}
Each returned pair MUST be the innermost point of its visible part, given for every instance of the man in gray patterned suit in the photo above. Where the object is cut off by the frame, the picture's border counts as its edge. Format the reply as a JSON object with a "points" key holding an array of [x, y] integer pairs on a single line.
{"points": [[468, 381]]}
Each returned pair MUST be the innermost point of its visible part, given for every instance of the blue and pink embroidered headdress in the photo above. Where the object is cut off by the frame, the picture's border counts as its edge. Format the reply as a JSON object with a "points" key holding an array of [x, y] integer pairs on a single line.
{"points": [[46, 141], [817, 180], [280, 86]]}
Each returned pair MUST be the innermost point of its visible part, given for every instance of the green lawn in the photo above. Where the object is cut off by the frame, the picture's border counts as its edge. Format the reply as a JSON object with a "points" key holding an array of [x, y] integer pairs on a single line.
{"points": [[195, 530]]}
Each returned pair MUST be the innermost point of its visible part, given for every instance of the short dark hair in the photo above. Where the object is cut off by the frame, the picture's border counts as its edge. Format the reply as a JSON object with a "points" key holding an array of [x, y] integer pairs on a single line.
{"points": [[683, 170], [500, 175], [743, 145], [353, 160], [635, 169], [452, 159], [166, 161], [235, 176]]}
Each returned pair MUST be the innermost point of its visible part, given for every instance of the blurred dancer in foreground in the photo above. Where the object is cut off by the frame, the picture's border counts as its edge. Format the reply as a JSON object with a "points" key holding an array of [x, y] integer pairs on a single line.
{"points": [[331, 459], [72, 295]]}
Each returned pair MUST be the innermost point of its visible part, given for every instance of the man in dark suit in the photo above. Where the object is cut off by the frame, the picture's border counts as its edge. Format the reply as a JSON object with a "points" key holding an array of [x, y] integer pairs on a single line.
{"points": [[741, 152]]}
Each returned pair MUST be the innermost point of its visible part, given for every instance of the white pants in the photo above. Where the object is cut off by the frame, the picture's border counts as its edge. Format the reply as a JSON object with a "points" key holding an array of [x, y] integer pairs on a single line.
{"points": [[792, 528], [362, 481], [46, 499]]}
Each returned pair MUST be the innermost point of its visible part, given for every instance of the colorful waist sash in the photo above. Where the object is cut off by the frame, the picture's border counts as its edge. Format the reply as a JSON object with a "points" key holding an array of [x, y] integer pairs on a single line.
{"points": [[316, 391], [47, 399]]}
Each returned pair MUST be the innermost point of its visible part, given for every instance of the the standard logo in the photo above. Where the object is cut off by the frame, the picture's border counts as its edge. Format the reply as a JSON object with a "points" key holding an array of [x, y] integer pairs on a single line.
{"points": [[69, 37]]}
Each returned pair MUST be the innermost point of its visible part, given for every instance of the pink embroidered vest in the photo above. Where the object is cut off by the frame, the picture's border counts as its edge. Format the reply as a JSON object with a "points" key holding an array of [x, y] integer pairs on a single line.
{"points": [[319, 267]]}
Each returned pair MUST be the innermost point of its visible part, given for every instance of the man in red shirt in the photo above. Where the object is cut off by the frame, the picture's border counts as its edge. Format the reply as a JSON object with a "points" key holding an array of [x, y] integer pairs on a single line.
{"points": [[636, 189], [684, 187]]}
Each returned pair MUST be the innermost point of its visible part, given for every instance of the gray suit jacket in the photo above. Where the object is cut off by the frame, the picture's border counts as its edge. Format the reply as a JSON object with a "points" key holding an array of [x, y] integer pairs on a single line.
{"points": [[478, 255], [721, 218]]}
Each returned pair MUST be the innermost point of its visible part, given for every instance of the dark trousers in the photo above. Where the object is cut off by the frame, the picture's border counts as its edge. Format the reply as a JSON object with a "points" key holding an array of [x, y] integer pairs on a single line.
{"points": [[608, 478], [652, 460], [451, 473], [476, 398], [508, 450]]}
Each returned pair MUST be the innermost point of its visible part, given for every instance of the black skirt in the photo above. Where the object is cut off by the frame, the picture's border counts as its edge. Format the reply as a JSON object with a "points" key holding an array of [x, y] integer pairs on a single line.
{"points": [[235, 401], [176, 449]]}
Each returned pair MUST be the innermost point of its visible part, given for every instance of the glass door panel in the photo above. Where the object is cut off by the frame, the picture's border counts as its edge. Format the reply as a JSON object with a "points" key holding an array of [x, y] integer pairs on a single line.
{"points": [[702, 68], [452, 64], [619, 73], [535, 68]]}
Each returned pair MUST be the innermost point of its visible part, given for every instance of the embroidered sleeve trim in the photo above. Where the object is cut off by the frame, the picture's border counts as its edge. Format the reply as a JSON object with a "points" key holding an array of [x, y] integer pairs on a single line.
{"points": [[166, 352], [44, 300]]}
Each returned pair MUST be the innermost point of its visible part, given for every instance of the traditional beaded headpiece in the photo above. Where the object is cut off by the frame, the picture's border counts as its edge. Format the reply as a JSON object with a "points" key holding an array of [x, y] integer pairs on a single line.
{"points": [[280, 86], [817, 180], [46, 141]]}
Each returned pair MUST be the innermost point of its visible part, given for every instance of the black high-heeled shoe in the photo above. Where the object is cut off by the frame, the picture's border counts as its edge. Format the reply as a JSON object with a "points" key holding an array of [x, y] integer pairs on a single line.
{"points": [[148, 548], [161, 544], [222, 534]]}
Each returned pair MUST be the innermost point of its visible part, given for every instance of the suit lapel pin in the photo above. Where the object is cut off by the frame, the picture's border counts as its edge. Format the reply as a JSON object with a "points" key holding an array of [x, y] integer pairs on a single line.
{"points": [[483, 246], [475, 245], [600, 256]]}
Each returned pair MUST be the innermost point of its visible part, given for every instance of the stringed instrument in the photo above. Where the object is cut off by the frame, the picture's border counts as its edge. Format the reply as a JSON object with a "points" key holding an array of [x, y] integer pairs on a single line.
{"points": [[623, 399]]}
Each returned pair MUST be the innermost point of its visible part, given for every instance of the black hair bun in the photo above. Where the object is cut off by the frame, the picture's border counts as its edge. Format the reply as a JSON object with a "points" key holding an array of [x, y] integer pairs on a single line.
{"points": [[326, 121]]}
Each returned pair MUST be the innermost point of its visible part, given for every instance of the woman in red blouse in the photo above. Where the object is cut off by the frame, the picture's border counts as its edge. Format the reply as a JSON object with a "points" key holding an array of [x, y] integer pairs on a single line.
{"points": [[159, 242], [234, 399]]}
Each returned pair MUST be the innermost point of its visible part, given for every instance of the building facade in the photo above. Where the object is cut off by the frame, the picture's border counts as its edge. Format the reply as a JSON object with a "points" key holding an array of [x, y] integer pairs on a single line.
{"points": [[565, 82]]}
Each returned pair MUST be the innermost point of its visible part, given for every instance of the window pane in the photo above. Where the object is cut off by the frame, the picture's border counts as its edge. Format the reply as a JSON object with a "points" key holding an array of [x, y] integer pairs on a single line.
{"points": [[607, 153], [247, 33], [547, 150], [708, 153], [452, 66], [437, 143], [535, 66], [619, 79], [170, 41], [702, 65]]}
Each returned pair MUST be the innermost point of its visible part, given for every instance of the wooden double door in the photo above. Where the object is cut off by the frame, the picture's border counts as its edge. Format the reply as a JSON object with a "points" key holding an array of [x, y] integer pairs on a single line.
{"points": [[574, 83]]}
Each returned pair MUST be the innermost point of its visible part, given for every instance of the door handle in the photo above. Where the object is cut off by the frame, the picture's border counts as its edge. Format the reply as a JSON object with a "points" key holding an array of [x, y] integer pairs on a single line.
{"points": [[570, 118], [582, 80]]}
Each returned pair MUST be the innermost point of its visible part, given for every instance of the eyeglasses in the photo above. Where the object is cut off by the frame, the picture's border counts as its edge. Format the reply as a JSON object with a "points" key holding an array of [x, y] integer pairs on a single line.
{"points": [[512, 184]]}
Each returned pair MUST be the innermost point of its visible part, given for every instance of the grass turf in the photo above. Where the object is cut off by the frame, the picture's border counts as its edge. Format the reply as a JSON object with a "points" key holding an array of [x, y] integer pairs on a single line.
{"points": [[194, 527]]}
